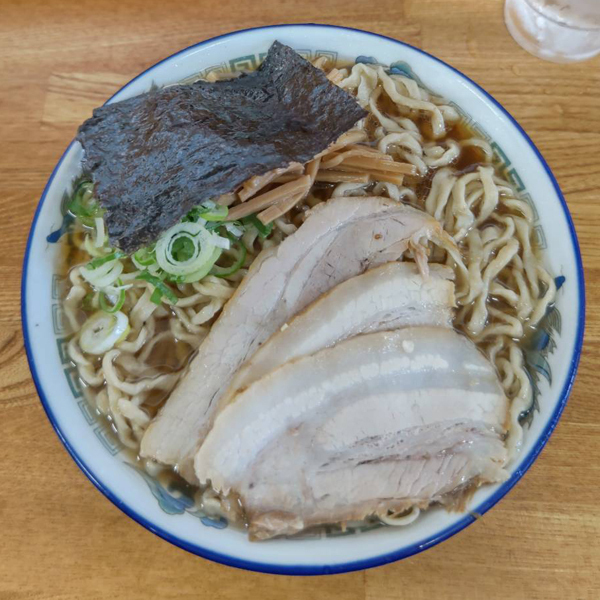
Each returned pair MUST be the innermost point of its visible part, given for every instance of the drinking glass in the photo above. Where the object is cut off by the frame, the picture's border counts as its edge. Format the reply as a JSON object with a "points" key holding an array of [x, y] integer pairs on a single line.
{"points": [[556, 30]]}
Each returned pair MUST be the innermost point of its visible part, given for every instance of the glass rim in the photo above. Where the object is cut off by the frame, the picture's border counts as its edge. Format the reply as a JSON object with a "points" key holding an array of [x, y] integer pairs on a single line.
{"points": [[593, 28]]}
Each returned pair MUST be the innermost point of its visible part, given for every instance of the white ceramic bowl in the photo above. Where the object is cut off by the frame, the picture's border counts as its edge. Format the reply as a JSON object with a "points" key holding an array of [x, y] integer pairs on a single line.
{"points": [[164, 512]]}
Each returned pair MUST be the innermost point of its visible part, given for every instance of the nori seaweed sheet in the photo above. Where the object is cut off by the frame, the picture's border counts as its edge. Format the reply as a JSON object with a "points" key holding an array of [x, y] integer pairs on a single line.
{"points": [[155, 156]]}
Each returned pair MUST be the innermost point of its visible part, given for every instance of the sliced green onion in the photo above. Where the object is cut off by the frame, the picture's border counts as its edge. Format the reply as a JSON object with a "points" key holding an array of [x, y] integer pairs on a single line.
{"points": [[100, 260], [235, 228], [156, 296], [221, 242], [239, 249], [124, 334], [100, 232], [207, 211], [185, 249], [161, 288], [91, 248], [192, 216], [175, 278], [104, 271], [83, 204], [109, 307], [102, 331], [205, 270], [212, 225], [263, 230], [144, 257], [218, 213]]}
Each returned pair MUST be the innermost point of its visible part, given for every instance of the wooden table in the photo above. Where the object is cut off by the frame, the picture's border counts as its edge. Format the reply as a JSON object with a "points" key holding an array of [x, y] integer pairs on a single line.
{"points": [[59, 537]]}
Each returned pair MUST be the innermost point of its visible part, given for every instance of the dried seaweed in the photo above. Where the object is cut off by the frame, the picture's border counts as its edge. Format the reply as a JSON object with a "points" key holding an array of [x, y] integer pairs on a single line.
{"points": [[155, 156]]}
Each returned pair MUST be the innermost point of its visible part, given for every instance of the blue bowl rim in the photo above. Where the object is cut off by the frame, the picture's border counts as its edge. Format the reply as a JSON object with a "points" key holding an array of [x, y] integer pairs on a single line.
{"points": [[382, 559]]}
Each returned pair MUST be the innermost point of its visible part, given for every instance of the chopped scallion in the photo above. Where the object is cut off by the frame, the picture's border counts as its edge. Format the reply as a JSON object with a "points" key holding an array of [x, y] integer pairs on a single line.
{"points": [[108, 306], [207, 212], [240, 251], [263, 230], [161, 289], [100, 260], [83, 205], [218, 213], [145, 256]]}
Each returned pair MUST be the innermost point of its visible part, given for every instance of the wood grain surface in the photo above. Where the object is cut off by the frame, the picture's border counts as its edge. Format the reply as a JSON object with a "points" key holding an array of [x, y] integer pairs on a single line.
{"points": [[59, 537]]}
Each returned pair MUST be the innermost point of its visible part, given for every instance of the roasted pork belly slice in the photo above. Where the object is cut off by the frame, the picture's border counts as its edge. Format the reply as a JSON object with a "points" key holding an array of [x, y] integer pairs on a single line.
{"points": [[340, 239], [388, 297], [381, 421]]}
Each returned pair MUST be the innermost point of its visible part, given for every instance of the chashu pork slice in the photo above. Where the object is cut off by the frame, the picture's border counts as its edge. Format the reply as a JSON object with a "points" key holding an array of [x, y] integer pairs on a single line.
{"points": [[381, 421], [387, 297], [340, 239]]}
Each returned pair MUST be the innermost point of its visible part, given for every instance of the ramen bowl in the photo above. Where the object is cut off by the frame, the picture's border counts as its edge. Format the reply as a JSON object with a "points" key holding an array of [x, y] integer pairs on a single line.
{"points": [[552, 356]]}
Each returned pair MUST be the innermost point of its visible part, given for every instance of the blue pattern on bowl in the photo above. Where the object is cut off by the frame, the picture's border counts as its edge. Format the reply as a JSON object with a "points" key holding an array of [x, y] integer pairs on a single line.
{"points": [[176, 499]]}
